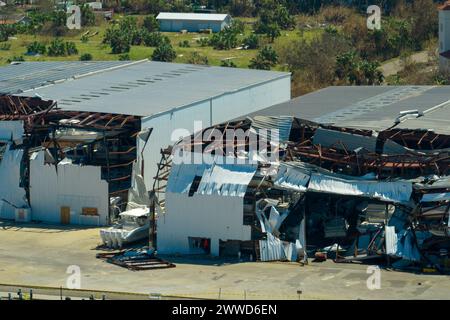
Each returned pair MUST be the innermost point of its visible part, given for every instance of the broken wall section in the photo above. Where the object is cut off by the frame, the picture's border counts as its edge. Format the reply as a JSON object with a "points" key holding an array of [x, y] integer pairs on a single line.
{"points": [[11, 193], [204, 202], [67, 193]]}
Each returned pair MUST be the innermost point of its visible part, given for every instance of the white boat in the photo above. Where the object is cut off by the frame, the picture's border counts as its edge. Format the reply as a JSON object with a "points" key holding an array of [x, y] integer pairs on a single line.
{"points": [[133, 226], [71, 134]]}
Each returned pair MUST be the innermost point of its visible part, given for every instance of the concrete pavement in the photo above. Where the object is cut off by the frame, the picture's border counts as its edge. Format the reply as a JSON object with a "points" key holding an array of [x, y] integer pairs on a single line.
{"points": [[40, 255]]}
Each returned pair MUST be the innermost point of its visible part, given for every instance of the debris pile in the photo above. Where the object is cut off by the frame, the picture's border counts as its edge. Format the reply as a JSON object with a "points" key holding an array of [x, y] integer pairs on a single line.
{"points": [[332, 192], [136, 260], [42, 147]]}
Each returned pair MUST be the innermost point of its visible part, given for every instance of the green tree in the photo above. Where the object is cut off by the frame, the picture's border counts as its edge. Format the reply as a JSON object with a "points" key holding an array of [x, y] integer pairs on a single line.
{"points": [[58, 18], [272, 17], [6, 31], [118, 40], [120, 43], [87, 15], [356, 71], [266, 59], [36, 48], [56, 48], [224, 40], [241, 8], [313, 61], [154, 39], [157, 6], [184, 44], [203, 41], [151, 24], [164, 52], [272, 31], [71, 48], [252, 41]]}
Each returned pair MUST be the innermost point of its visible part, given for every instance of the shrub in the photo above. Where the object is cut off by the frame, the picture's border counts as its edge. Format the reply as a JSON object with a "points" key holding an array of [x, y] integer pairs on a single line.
{"points": [[87, 15], [121, 38], [5, 46], [228, 63], [84, 38], [164, 52], [118, 41], [6, 31], [203, 41], [266, 58], [224, 40], [251, 42], [124, 57], [86, 57], [335, 14], [36, 48], [59, 48], [151, 24], [71, 48], [184, 44], [197, 58], [273, 13], [155, 39], [56, 48], [15, 58], [137, 37], [238, 26], [56, 24]]}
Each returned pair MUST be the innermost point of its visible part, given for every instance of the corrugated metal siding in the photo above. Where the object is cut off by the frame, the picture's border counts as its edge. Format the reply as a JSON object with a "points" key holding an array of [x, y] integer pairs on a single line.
{"points": [[190, 25], [226, 180], [281, 123], [192, 16]]}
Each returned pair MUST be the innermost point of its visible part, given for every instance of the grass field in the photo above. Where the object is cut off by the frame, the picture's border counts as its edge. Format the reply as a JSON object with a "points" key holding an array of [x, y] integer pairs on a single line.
{"points": [[100, 51]]}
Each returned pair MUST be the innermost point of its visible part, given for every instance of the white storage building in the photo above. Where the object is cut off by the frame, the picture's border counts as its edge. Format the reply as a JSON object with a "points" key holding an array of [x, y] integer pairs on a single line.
{"points": [[192, 22], [165, 96]]}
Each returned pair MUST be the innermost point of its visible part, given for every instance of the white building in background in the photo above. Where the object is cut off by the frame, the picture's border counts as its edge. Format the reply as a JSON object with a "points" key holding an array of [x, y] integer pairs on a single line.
{"points": [[192, 22], [444, 36]]}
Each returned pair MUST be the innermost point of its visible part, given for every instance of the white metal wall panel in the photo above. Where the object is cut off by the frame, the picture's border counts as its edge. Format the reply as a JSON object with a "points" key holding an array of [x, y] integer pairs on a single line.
{"points": [[72, 186], [11, 131], [187, 216], [224, 108], [9, 183], [163, 128], [245, 101]]}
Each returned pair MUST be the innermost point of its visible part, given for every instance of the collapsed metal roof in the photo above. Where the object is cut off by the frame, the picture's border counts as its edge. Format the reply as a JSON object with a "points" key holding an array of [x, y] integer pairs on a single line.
{"points": [[140, 88], [372, 107]]}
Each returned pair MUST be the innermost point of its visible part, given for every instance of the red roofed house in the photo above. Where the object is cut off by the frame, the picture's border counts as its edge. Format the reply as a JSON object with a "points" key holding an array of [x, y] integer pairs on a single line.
{"points": [[444, 36]]}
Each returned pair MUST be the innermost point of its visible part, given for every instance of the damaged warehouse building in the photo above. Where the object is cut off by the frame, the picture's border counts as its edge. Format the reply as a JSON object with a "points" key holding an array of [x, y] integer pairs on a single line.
{"points": [[80, 140], [362, 173]]}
